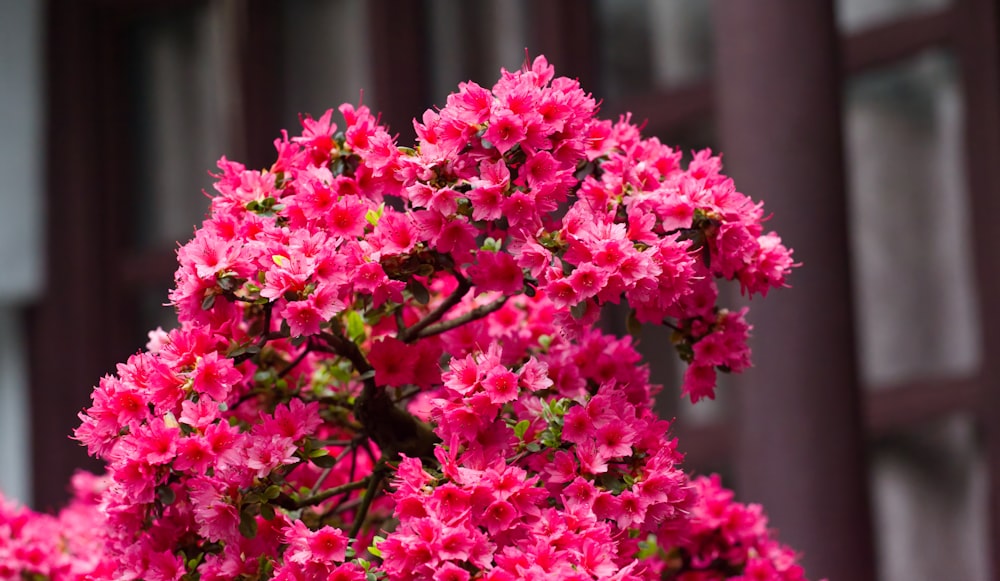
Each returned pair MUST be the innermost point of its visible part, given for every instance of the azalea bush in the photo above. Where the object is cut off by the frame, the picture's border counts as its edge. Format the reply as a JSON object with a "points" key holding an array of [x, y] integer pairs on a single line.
{"points": [[388, 364]]}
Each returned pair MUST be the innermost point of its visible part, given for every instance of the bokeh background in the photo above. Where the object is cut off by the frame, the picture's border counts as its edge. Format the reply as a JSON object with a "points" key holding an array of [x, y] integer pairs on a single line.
{"points": [[870, 426]]}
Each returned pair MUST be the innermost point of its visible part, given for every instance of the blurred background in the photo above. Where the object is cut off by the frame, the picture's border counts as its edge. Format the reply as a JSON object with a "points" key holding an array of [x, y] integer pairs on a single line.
{"points": [[870, 128]]}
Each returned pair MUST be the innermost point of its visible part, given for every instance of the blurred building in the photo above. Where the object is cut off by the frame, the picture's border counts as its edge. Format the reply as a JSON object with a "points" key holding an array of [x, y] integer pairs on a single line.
{"points": [[871, 128]]}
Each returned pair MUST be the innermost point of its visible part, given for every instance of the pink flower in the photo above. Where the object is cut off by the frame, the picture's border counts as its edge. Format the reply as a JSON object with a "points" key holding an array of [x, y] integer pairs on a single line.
{"points": [[451, 572], [226, 444], [496, 271], [305, 317], [699, 382], [346, 218], [327, 544], [214, 377], [614, 440], [266, 454], [157, 443], [394, 362], [504, 131], [217, 518], [587, 280], [539, 169], [193, 454]]}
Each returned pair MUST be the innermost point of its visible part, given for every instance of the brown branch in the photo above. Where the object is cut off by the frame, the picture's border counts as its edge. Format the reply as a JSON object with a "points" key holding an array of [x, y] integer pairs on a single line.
{"points": [[374, 484], [348, 349], [343, 507], [403, 396], [413, 333], [291, 365], [287, 502], [264, 337], [475, 314]]}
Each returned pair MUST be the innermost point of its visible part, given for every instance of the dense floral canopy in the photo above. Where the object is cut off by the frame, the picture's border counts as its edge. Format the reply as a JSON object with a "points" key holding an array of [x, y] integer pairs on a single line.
{"points": [[387, 364]]}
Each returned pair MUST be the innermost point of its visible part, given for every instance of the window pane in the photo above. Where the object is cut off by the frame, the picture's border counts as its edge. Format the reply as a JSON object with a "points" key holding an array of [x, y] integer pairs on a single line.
{"points": [[930, 493], [853, 15], [327, 60], [181, 100], [646, 44], [494, 35], [153, 313], [903, 128]]}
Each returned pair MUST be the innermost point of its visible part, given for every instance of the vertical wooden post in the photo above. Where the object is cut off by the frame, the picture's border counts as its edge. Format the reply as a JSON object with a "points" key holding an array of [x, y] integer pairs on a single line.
{"points": [[74, 305], [799, 448], [979, 46]]}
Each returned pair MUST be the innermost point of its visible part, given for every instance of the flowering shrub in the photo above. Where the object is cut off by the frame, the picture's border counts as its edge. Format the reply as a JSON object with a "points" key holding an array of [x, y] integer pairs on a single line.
{"points": [[387, 364]]}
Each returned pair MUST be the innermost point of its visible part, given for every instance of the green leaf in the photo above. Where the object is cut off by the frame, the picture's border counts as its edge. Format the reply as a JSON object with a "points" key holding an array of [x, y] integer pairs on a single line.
{"points": [[267, 511], [373, 216], [355, 326], [632, 324], [229, 283], [521, 428], [248, 525], [585, 169], [208, 302], [326, 461], [492, 244], [272, 492], [578, 310], [166, 494], [419, 291]]}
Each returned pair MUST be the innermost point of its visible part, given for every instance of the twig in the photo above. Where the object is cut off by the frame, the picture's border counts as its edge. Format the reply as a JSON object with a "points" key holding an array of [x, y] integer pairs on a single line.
{"points": [[326, 471]]}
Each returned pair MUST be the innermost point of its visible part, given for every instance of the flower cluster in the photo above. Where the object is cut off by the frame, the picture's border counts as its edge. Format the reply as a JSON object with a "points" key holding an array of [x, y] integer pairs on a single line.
{"points": [[68, 546], [387, 364], [726, 540]]}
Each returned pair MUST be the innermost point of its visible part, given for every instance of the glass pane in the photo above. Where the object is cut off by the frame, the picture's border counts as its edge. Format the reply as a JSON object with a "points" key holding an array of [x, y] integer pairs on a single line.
{"points": [[181, 102], [647, 44], [327, 61], [930, 493], [853, 15], [494, 35], [153, 313], [913, 270]]}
